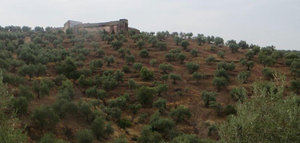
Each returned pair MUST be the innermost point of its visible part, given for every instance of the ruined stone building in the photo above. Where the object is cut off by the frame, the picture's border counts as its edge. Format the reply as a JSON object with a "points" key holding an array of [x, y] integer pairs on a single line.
{"points": [[110, 27]]}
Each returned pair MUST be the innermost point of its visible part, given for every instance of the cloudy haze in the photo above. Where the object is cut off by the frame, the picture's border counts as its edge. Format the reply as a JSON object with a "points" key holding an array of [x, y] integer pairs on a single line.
{"points": [[263, 22]]}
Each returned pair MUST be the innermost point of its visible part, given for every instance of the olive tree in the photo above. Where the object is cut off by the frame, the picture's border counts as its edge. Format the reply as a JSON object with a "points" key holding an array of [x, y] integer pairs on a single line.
{"points": [[220, 82], [175, 77], [166, 67], [192, 67], [185, 44], [146, 74], [145, 95], [84, 136], [45, 117], [180, 113], [208, 98], [238, 94], [266, 117]]}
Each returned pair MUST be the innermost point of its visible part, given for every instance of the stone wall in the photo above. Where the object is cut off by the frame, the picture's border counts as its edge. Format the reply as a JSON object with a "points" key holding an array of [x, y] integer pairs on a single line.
{"points": [[110, 27]]}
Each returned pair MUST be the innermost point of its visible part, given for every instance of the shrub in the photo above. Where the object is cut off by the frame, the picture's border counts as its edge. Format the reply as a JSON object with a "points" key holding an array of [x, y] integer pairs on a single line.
{"points": [[290, 57], [162, 46], [124, 123], [170, 57], [213, 48], [226, 66], [221, 73], [238, 94], [140, 44], [220, 82], [66, 89], [132, 84], [109, 60], [197, 76], [250, 54], [295, 85], [121, 139], [149, 136], [85, 72], [186, 138], [42, 87], [165, 67], [12, 79], [44, 117], [219, 41], [162, 125], [233, 47], [50, 138], [194, 53], [116, 44], [192, 67], [126, 69], [20, 105], [63, 107], [268, 61], [221, 54], [161, 104], [32, 70], [180, 113], [145, 95], [229, 109], [181, 57], [84, 136], [92, 91], [175, 77], [243, 44], [95, 45], [208, 98], [275, 117], [153, 62], [59, 79], [210, 59], [160, 88], [177, 40], [146, 74], [113, 113], [249, 65], [144, 53], [84, 82], [101, 94], [24, 91], [185, 44], [143, 117], [119, 76], [129, 59], [8, 123], [295, 68], [165, 77], [243, 76], [96, 65], [68, 68], [134, 108], [109, 82], [255, 49], [119, 102], [99, 128], [268, 73], [85, 110], [137, 66], [212, 130]]}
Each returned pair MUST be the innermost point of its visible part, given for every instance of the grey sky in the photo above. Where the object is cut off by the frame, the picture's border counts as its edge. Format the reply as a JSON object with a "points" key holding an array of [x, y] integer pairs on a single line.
{"points": [[263, 22]]}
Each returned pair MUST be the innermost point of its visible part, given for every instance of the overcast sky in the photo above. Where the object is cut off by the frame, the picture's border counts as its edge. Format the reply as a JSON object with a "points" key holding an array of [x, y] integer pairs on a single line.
{"points": [[262, 22]]}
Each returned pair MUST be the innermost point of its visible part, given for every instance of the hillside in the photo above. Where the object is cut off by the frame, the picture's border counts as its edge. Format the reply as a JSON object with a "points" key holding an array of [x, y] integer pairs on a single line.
{"points": [[139, 87]]}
